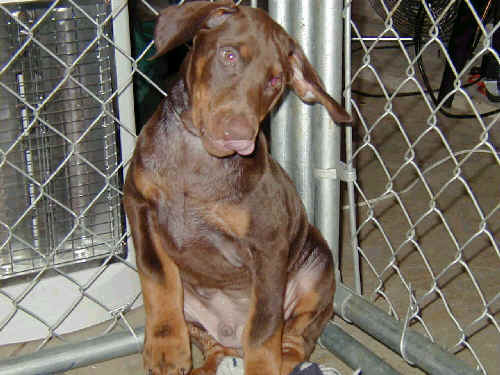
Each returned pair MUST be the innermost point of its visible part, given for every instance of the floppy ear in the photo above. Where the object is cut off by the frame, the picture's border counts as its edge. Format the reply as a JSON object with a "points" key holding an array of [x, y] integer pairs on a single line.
{"points": [[179, 23], [308, 86]]}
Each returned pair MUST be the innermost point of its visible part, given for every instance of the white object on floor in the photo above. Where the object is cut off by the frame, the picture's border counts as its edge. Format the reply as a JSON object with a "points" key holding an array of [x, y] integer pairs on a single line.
{"points": [[231, 366]]}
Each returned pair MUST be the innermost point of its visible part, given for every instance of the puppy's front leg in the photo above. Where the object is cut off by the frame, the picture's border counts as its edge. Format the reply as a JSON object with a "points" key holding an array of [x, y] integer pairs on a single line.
{"points": [[167, 349], [264, 328], [166, 345]]}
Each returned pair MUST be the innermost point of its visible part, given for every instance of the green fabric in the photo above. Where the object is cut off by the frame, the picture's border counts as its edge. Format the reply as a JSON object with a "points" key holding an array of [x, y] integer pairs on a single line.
{"points": [[146, 96]]}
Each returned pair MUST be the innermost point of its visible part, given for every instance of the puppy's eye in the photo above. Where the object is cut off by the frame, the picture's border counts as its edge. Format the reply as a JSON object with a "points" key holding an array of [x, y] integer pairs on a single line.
{"points": [[229, 56], [275, 82]]}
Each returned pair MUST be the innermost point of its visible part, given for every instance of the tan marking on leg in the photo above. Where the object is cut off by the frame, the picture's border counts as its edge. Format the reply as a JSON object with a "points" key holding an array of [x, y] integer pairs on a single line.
{"points": [[167, 344], [308, 302], [262, 357], [167, 348], [265, 358], [302, 329]]}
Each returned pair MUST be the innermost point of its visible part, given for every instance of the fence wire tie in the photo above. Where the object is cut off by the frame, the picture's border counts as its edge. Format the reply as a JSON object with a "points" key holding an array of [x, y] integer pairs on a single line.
{"points": [[344, 172], [138, 341], [410, 314], [119, 311]]}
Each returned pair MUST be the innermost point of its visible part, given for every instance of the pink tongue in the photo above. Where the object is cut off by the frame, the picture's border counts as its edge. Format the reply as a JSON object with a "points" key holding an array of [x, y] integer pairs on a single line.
{"points": [[243, 147]]}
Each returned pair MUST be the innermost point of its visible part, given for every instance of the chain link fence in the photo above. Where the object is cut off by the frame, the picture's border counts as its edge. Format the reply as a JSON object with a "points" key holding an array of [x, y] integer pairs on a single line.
{"points": [[420, 214], [423, 215], [66, 135]]}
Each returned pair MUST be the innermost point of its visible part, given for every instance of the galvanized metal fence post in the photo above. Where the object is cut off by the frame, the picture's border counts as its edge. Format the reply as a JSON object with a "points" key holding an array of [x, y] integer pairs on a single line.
{"points": [[327, 58], [304, 139], [292, 123]]}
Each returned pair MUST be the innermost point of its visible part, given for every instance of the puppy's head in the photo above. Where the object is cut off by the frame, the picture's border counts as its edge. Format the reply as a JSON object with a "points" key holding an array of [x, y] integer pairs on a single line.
{"points": [[240, 63]]}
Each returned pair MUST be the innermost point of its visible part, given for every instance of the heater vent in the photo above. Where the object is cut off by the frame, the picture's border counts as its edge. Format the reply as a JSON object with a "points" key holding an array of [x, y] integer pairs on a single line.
{"points": [[59, 149]]}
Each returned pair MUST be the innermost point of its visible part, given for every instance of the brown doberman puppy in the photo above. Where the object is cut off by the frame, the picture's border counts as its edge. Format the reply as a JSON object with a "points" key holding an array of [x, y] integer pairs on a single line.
{"points": [[224, 249]]}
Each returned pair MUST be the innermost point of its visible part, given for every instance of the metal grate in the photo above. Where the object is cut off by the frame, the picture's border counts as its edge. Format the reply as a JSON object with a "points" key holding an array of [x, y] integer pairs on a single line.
{"points": [[59, 201]]}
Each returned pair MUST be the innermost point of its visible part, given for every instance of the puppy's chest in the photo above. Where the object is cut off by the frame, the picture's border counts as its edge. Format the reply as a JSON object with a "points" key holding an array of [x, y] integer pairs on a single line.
{"points": [[208, 248], [228, 231], [255, 214], [199, 199]]}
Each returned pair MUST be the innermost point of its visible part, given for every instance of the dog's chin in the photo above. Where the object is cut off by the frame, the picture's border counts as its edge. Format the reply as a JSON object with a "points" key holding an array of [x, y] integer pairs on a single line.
{"points": [[221, 149]]}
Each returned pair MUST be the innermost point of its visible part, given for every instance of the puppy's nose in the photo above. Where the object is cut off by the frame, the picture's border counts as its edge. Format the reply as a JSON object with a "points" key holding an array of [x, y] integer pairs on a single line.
{"points": [[238, 128], [239, 135]]}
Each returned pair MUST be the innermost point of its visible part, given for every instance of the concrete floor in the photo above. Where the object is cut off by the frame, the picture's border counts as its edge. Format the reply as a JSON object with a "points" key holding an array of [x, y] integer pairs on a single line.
{"points": [[481, 262]]}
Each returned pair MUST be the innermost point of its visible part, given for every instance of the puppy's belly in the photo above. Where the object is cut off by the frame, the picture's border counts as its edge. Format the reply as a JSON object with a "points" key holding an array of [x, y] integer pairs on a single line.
{"points": [[223, 315]]}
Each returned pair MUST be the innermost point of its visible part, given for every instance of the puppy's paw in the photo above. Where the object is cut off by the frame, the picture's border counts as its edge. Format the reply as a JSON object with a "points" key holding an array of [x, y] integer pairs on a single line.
{"points": [[166, 357]]}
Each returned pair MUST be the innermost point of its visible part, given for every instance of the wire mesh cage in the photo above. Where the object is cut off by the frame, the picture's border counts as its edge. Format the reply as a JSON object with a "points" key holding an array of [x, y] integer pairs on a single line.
{"points": [[59, 201], [424, 226]]}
